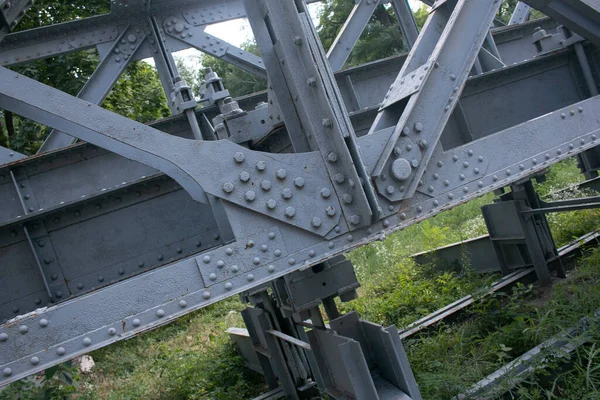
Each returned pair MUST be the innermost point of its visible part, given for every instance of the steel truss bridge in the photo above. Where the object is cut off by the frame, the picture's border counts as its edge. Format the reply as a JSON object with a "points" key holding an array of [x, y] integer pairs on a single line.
{"points": [[116, 227]]}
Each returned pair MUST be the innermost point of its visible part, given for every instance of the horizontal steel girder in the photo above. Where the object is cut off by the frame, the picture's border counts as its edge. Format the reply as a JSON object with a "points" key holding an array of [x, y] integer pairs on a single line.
{"points": [[141, 303]]}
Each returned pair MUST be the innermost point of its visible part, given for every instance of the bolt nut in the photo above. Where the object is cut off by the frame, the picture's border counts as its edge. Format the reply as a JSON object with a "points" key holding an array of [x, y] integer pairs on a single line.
{"points": [[239, 157], [325, 193], [354, 219], [286, 193], [228, 187], [316, 222], [261, 165], [330, 211], [265, 185], [299, 182], [347, 198], [290, 212], [244, 176], [339, 178], [281, 173], [250, 195], [271, 204], [332, 157]]}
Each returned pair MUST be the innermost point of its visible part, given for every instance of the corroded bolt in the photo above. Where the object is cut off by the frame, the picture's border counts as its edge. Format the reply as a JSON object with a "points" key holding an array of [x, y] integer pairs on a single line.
{"points": [[239, 157], [332, 157], [316, 222], [325, 193], [265, 185], [228, 187], [286, 193], [401, 169], [271, 204], [299, 182], [250, 195], [290, 212], [281, 173], [244, 176], [330, 211]]}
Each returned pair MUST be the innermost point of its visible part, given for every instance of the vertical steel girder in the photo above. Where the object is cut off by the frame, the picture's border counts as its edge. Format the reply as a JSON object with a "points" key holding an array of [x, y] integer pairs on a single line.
{"points": [[421, 100]]}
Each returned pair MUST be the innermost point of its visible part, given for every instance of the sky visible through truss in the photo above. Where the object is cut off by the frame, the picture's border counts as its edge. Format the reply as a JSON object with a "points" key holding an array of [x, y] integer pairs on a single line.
{"points": [[238, 31]]}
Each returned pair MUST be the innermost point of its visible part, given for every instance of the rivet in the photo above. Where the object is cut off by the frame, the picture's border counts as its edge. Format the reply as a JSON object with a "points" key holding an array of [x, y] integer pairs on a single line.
{"points": [[495, 178], [476, 171], [390, 189], [61, 351], [271, 268], [337, 229], [136, 322], [244, 176], [229, 251], [508, 172], [160, 313], [312, 82], [572, 112], [450, 196], [563, 115], [141, 265], [58, 293], [430, 189], [256, 260], [3, 337], [23, 329], [331, 245], [100, 278], [350, 238], [299, 182], [121, 271], [325, 193], [228, 286], [206, 295], [281, 173], [290, 212], [234, 269], [580, 109], [220, 264], [316, 222], [38, 301], [452, 77], [418, 127], [228, 187], [311, 254], [182, 303], [465, 189], [80, 286], [239, 157], [212, 277], [559, 152], [112, 331], [347, 198], [419, 209], [86, 341], [547, 156], [571, 146], [7, 371], [261, 165], [277, 253], [272, 235], [386, 223], [250, 196], [461, 177], [521, 167], [34, 360], [436, 203], [446, 182], [403, 216], [265, 185], [455, 158], [43, 322]]}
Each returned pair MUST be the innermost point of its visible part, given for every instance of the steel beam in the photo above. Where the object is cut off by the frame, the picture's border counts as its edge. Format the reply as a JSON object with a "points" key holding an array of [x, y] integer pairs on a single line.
{"points": [[8, 155], [104, 78], [581, 16], [520, 14]]}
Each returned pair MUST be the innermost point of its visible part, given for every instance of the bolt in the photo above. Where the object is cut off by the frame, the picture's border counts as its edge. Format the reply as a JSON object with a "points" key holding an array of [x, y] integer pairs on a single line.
{"points": [[299, 182], [354, 219], [347, 198], [290, 212], [316, 222], [422, 143], [325, 193], [281, 173], [418, 127], [390, 189], [228, 187], [265, 185], [332, 157], [244, 176], [261, 165], [286, 193], [401, 169], [271, 204], [330, 211], [250, 195], [239, 157], [339, 178]]}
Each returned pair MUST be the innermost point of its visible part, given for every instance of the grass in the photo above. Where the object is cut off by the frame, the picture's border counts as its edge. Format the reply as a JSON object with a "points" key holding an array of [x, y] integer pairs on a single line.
{"points": [[193, 358]]}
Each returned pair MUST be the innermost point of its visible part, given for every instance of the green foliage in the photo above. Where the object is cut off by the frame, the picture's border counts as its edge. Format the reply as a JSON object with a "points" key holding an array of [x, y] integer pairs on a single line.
{"points": [[58, 382], [137, 95]]}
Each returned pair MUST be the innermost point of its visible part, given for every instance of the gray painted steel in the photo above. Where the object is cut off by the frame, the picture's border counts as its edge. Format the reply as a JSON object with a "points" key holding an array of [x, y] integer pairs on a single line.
{"points": [[102, 241]]}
